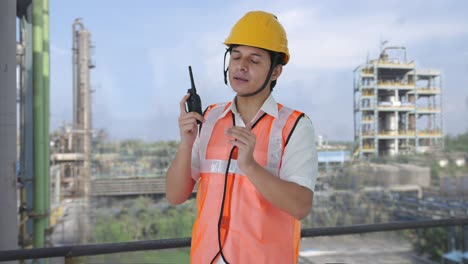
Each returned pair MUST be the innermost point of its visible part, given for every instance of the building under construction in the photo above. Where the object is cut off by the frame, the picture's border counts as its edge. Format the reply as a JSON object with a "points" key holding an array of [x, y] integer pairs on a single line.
{"points": [[397, 106]]}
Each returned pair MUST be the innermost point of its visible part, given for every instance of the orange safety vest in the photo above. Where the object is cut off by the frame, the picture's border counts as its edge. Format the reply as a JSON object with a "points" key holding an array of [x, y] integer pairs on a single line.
{"points": [[252, 230]]}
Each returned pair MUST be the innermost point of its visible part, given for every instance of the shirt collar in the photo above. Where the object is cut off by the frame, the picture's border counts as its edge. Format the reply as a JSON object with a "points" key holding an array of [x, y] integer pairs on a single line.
{"points": [[269, 106]]}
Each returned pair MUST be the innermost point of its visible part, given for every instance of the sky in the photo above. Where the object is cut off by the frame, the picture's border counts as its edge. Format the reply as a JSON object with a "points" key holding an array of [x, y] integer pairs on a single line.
{"points": [[143, 48]]}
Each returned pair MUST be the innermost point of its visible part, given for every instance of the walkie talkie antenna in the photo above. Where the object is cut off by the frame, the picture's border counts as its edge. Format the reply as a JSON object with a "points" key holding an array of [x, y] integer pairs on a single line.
{"points": [[193, 101], [191, 79]]}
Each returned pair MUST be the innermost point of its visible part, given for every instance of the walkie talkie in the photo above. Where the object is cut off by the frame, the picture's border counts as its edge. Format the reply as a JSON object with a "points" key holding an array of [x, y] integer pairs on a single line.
{"points": [[194, 101]]}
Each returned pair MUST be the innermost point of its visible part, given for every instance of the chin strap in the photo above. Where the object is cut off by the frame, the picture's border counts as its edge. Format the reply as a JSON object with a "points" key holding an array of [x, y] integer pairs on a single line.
{"points": [[274, 62], [225, 70]]}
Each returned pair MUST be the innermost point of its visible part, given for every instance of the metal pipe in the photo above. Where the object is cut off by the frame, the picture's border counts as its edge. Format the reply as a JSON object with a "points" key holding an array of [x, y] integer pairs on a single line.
{"points": [[109, 248], [441, 122], [46, 87], [8, 180], [39, 211], [26, 120], [28, 128], [82, 113], [74, 76], [395, 47], [77, 25], [21, 136]]}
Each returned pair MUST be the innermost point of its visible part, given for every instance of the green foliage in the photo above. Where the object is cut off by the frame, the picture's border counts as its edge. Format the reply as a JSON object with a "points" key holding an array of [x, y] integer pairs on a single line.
{"points": [[457, 143], [132, 158], [167, 256], [403, 159], [435, 173], [142, 219], [431, 242]]}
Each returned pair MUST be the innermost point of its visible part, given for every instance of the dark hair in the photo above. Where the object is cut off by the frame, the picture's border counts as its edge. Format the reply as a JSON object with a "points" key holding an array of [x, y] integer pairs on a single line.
{"points": [[276, 59]]}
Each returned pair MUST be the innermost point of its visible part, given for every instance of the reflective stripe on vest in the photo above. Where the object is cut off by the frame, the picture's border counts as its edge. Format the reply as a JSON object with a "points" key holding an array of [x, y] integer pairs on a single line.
{"points": [[252, 229]]}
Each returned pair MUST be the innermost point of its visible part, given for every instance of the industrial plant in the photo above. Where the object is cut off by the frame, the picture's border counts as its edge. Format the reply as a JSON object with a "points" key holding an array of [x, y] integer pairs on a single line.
{"points": [[71, 149], [397, 106], [72, 192]]}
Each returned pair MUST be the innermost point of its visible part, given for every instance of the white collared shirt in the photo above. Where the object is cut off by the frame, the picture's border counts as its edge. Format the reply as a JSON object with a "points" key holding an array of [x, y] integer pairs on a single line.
{"points": [[299, 162]]}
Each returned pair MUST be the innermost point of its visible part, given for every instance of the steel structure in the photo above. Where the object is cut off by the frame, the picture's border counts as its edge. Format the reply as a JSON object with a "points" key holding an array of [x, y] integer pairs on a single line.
{"points": [[82, 102], [8, 216], [71, 145], [397, 106], [33, 104]]}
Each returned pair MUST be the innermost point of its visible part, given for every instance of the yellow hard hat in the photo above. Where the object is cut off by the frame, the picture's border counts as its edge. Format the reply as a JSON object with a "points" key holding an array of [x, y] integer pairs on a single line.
{"points": [[261, 30]]}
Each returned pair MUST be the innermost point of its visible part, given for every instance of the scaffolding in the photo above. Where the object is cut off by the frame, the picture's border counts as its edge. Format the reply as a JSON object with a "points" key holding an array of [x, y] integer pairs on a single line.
{"points": [[397, 107]]}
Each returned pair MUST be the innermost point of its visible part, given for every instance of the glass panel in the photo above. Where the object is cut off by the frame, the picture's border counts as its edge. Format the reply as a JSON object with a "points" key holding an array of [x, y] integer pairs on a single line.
{"points": [[391, 133]]}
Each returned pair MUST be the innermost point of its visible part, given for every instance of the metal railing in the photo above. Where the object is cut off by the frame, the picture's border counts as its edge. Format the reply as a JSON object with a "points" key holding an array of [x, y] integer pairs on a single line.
{"points": [[99, 249]]}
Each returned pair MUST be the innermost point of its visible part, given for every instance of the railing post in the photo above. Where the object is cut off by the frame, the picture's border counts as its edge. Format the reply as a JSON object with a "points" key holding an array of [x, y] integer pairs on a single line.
{"points": [[69, 260], [451, 239], [451, 245], [418, 242], [465, 244]]}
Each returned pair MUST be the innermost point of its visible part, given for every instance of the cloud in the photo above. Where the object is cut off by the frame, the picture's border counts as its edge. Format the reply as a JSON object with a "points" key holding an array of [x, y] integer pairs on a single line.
{"points": [[339, 42], [142, 63]]}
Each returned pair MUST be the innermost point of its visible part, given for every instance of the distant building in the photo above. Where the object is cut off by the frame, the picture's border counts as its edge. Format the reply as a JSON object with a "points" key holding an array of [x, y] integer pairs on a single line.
{"points": [[332, 159], [397, 107]]}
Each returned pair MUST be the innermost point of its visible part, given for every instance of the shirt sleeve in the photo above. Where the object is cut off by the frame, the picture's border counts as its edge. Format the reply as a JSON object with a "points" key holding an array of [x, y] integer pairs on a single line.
{"points": [[196, 159], [299, 164]]}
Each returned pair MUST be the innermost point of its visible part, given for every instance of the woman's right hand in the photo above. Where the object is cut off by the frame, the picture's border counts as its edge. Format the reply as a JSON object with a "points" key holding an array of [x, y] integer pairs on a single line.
{"points": [[188, 126]]}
